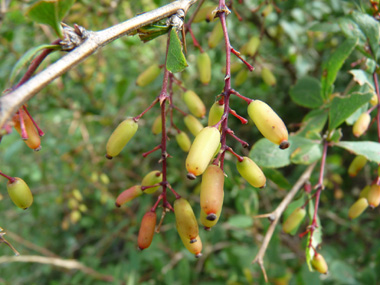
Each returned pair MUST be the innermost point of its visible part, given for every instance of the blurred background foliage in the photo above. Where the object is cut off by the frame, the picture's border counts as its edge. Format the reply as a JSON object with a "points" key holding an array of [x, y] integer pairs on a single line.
{"points": [[74, 216]]}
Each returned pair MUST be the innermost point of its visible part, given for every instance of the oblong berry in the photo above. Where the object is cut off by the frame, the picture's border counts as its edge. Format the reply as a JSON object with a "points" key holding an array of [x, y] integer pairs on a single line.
{"points": [[268, 77], [148, 75], [157, 125], [249, 170], [194, 103], [183, 141], [215, 113], [374, 100], [373, 196], [216, 35], [204, 14], [207, 221], [192, 124], [128, 195], [361, 125], [194, 247], [319, 263], [20, 193], [152, 178], [294, 220], [364, 192], [241, 77], [33, 141], [146, 232], [212, 192], [358, 208], [269, 123], [120, 137], [356, 165], [251, 47], [204, 68], [186, 222], [202, 150]]}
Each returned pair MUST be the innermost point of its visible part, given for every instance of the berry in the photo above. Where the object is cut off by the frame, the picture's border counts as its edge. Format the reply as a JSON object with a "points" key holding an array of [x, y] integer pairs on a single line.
{"points": [[249, 170], [204, 68], [186, 222], [149, 75], [215, 114], [192, 124], [216, 35], [268, 77], [269, 123], [373, 196], [194, 103], [183, 141], [251, 47], [294, 220], [319, 263], [202, 150], [212, 193], [128, 195], [194, 247], [146, 231], [152, 178], [357, 208], [157, 125], [361, 125], [356, 165], [33, 140], [20, 193], [120, 137]]}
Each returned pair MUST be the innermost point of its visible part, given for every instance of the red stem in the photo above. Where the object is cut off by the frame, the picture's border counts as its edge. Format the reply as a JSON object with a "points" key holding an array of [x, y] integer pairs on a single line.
{"points": [[235, 52], [10, 178], [146, 110], [145, 154]]}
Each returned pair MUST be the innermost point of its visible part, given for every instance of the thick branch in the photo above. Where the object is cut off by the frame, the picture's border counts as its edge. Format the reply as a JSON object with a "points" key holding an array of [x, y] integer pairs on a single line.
{"points": [[63, 263], [13, 100], [276, 215]]}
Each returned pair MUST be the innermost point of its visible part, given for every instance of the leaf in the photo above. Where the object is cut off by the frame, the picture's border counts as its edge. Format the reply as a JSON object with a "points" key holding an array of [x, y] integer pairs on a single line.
{"points": [[370, 28], [240, 221], [313, 123], [307, 92], [50, 12], [301, 151], [176, 61], [362, 77], [369, 149], [333, 65], [342, 108], [28, 56], [277, 177]]}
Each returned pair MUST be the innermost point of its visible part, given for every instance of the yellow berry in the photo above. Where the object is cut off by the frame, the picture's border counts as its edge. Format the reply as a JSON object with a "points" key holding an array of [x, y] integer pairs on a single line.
{"points": [[357, 208], [193, 125], [183, 141], [294, 220], [149, 75], [249, 170], [20, 193], [194, 103], [120, 137], [152, 178], [268, 77], [186, 222], [319, 263], [204, 68], [361, 125], [356, 165]]}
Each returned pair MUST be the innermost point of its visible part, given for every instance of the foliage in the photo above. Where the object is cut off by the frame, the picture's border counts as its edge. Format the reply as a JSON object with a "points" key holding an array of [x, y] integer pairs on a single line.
{"points": [[323, 55]]}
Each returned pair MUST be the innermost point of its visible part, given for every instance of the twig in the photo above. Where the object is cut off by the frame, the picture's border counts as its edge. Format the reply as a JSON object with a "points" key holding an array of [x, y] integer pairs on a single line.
{"points": [[94, 40], [68, 264], [276, 215]]}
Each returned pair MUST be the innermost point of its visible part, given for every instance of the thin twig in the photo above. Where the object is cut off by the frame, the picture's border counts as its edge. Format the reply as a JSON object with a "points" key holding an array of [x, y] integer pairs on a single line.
{"points": [[276, 215], [94, 40], [64, 263]]}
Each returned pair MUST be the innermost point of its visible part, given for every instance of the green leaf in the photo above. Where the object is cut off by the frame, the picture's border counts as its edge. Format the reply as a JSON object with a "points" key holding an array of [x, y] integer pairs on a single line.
{"points": [[152, 31], [240, 221], [301, 151], [369, 149], [28, 56], [50, 12], [362, 77], [277, 177], [370, 28], [342, 108], [307, 92], [333, 65], [176, 61], [313, 123]]}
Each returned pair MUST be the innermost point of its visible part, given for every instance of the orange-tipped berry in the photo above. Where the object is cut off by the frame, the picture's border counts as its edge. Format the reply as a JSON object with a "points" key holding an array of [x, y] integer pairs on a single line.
{"points": [[373, 196], [319, 263], [183, 141], [204, 68], [212, 193], [269, 123], [157, 125], [186, 222], [146, 231], [294, 220], [205, 219], [194, 247], [215, 114], [356, 165], [249, 170], [128, 195], [149, 75], [357, 208], [194, 103], [268, 77], [202, 150], [152, 178], [33, 141], [361, 125], [216, 35], [192, 124], [20, 193], [120, 137]]}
